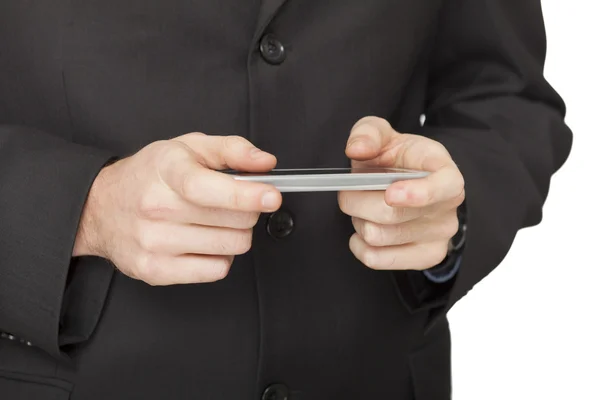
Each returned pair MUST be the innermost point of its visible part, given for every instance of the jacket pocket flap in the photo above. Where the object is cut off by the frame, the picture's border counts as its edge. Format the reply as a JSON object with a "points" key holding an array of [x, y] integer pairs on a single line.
{"points": [[17, 386]]}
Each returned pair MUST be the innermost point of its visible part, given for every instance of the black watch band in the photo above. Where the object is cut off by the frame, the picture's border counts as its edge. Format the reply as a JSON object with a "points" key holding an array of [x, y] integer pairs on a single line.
{"points": [[455, 247]]}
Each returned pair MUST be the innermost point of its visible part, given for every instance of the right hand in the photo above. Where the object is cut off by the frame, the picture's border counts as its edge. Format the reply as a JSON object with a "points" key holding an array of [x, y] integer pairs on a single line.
{"points": [[166, 216]]}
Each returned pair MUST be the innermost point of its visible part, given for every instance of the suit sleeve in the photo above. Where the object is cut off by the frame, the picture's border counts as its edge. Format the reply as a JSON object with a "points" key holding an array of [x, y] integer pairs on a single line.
{"points": [[503, 124], [44, 182]]}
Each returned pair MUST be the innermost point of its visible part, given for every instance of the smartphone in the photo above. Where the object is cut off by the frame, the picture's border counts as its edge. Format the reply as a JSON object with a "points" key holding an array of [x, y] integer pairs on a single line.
{"points": [[330, 179]]}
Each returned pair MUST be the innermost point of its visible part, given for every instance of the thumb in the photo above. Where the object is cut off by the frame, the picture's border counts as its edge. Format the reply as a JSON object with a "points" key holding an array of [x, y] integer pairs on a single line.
{"points": [[228, 152], [368, 138]]}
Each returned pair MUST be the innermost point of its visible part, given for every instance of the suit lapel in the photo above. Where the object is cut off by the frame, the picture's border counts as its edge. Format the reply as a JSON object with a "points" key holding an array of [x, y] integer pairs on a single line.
{"points": [[268, 9]]}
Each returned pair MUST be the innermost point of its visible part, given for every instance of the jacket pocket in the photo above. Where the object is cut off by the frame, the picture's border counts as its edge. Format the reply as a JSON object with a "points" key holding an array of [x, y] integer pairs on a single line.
{"points": [[430, 366], [18, 386], [27, 373]]}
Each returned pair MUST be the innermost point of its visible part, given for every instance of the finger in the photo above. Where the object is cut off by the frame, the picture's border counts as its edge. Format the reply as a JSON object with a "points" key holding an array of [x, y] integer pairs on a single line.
{"points": [[194, 239], [223, 218], [228, 152], [368, 138], [185, 269], [371, 205], [413, 256], [171, 207], [419, 230], [445, 184], [403, 150], [212, 189]]}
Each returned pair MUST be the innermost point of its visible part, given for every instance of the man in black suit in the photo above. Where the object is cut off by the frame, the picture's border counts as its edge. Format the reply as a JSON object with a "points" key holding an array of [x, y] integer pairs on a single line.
{"points": [[224, 289]]}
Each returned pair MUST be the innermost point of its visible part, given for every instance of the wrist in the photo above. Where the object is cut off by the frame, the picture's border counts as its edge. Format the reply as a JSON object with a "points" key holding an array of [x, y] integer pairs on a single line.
{"points": [[88, 240], [448, 268]]}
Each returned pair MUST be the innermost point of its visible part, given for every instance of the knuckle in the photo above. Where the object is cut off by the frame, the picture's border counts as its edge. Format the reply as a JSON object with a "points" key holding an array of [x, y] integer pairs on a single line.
{"points": [[371, 259], [243, 220], [433, 147], [373, 119], [458, 200], [243, 242], [461, 183], [233, 141], [439, 253], [438, 147], [249, 220], [193, 134], [146, 268], [170, 152], [394, 215], [384, 122], [146, 203], [462, 196], [220, 268], [404, 234], [415, 150], [344, 202], [363, 120], [372, 234], [183, 140], [450, 227], [149, 240], [159, 147], [458, 187], [389, 217], [188, 186], [221, 247]]}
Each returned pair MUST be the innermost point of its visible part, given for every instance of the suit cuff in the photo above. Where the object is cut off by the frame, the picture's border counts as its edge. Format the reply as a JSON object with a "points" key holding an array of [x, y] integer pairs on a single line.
{"points": [[86, 292], [44, 182], [444, 272]]}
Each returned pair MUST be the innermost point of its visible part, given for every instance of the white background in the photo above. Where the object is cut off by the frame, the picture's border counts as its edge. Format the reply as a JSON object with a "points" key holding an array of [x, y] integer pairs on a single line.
{"points": [[531, 329]]}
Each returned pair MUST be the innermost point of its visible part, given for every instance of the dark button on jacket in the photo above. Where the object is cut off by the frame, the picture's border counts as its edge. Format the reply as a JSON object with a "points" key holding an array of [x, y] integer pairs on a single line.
{"points": [[272, 49], [276, 391], [280, 224]]}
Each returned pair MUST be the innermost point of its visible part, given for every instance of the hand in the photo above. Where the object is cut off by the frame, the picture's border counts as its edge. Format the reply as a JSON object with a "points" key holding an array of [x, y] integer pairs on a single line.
{"points": [[165, 216], [408, 226]]}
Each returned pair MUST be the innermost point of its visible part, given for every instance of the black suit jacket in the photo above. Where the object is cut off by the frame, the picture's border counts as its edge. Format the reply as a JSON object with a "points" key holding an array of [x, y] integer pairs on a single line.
{"points": [[84, 81]]}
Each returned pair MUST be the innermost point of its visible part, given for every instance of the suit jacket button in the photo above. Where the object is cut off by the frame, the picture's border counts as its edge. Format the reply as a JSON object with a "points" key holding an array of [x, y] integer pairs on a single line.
{"points": [[280, 224], [276, 391], [272, 50]]}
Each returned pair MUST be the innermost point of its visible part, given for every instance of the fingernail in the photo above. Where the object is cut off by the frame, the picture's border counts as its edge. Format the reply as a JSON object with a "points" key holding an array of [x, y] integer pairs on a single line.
{"points": [[270, 200], [353, 142], [257, 153], [361, 141], [399, 196]]}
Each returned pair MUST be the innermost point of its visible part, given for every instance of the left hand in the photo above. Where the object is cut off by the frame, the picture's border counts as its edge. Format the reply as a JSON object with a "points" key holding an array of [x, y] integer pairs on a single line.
{"points": [[408, 226]]}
